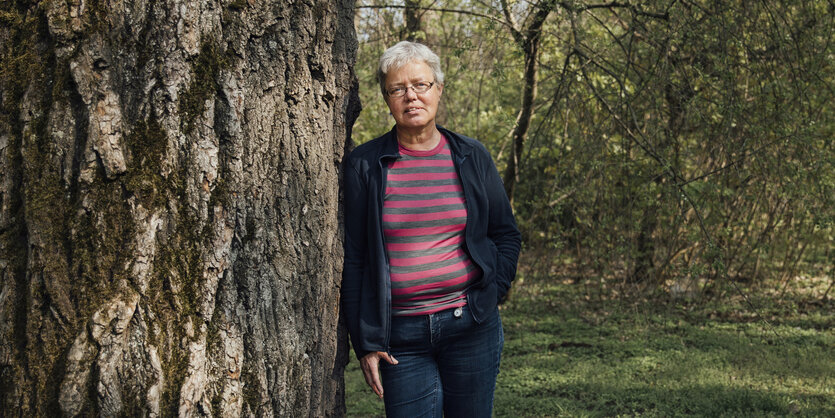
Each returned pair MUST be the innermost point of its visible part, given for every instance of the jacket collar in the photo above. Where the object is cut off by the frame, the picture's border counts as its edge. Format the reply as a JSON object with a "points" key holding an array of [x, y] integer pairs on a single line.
{"points": [[458, 146]]}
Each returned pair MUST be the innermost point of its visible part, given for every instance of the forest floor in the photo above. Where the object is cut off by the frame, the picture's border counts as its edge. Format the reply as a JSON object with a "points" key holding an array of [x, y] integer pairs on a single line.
{"points": [[571, 351]]}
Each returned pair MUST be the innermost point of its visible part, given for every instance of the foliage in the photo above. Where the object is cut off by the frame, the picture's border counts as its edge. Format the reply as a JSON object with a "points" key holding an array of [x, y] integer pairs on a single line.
{"points": [[672, 145]]}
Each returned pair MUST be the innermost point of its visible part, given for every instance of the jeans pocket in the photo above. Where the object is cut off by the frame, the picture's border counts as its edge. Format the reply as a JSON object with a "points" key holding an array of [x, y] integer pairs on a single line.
{"points": [[408, 333]]}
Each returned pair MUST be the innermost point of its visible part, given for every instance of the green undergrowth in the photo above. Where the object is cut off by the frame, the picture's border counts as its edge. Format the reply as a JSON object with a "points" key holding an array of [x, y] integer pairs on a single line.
{"points": [[569, 352]]}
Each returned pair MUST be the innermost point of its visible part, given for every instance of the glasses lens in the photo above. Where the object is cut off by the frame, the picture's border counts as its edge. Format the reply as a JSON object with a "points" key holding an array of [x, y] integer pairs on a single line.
{"points": [[418, 88], [421, 87]]}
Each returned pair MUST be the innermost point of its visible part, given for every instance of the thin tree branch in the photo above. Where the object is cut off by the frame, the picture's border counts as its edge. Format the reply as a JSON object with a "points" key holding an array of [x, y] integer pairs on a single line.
{"points": [[438, 9], [616, 4], [732, 163]]}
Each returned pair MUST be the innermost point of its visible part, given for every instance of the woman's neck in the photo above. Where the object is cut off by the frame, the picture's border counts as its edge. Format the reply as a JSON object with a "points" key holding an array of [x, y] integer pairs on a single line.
{"points": [[422, 140]]}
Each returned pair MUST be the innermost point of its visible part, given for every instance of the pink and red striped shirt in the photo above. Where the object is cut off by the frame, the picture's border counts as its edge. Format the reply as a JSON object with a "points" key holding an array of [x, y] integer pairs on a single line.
{"points": [[424, 215]]}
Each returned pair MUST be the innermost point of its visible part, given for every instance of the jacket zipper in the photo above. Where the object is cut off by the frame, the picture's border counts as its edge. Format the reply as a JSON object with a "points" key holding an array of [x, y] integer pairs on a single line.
{"points": [[459, 160], [384, 172]]}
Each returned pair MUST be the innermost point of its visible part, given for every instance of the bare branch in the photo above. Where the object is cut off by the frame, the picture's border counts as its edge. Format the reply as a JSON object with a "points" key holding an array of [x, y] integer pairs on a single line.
{"points": [[438, 9], [732, 163], [614, 5]]}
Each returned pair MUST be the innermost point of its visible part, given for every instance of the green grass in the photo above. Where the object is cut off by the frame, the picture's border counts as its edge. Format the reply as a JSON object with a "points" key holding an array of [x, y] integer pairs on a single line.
{"points": [[569, 353]]}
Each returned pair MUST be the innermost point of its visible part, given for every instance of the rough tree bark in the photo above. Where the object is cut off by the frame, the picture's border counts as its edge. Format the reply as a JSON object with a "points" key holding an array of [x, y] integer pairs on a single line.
{"points": [[169, 234]]}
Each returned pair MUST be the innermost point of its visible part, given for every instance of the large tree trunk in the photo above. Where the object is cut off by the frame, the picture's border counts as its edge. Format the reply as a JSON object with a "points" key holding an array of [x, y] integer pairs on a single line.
{"points": [[169, 234]]}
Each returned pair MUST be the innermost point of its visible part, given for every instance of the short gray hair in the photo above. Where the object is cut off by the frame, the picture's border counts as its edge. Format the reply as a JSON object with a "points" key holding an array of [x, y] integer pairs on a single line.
{"points": [[403, 53]]}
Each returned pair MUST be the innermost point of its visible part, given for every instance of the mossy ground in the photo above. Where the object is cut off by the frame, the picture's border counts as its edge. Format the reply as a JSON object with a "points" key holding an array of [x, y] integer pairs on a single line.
{"points": [[571, 352]]}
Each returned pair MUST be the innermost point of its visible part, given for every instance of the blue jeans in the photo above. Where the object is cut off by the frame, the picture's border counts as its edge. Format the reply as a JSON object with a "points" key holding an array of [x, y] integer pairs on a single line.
{"points": [[448, 364]]}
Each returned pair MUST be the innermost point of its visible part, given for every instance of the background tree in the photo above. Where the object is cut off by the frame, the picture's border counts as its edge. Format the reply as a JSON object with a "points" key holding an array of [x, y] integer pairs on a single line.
{"points": [[412, 14], [528, 37], [169, 206]]}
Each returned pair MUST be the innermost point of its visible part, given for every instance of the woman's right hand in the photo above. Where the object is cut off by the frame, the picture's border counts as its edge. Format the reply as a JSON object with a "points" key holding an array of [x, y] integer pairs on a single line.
{"points": [[371, 369]]}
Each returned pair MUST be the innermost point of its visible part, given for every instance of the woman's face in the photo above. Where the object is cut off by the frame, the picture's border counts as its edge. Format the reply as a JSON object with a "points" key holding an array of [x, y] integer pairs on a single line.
{"points": [[412, 110]]}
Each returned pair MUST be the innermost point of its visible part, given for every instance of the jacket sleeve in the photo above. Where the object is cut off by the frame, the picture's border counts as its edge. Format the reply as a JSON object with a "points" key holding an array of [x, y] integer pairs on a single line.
{"points": [[501, 228], [355, 251]]}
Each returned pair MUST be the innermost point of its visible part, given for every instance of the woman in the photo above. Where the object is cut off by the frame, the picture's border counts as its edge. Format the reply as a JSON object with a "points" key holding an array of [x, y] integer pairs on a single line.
{"points": [[430, 250]]}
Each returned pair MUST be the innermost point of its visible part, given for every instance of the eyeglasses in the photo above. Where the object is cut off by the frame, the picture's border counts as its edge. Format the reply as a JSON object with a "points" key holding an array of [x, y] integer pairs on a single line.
{"points": [[418, 88]]}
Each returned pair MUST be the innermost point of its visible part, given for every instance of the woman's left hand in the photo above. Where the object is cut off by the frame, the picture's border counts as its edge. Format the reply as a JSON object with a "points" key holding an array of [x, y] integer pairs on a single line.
{"points": [[371, 369]]}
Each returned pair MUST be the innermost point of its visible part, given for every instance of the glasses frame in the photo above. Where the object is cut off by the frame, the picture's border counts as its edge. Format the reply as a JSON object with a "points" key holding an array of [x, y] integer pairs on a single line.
{"points": [[406, 90]]}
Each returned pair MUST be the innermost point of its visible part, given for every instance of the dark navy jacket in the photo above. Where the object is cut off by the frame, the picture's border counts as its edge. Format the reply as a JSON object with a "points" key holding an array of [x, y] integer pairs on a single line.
{"points": [[491, 237]]}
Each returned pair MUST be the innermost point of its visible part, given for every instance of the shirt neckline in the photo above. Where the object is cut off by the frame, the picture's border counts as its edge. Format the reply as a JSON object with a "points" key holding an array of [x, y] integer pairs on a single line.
{"points": [[428, 153]]}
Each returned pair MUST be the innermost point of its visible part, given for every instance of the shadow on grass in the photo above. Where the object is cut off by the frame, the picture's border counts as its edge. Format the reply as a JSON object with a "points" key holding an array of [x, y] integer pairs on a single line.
{"points": [[584, 399], [599, 359]]}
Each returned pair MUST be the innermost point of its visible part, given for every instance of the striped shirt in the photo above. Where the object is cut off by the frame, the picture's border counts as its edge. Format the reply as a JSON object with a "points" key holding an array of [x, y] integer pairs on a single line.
{"points": [[424, 215]]}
